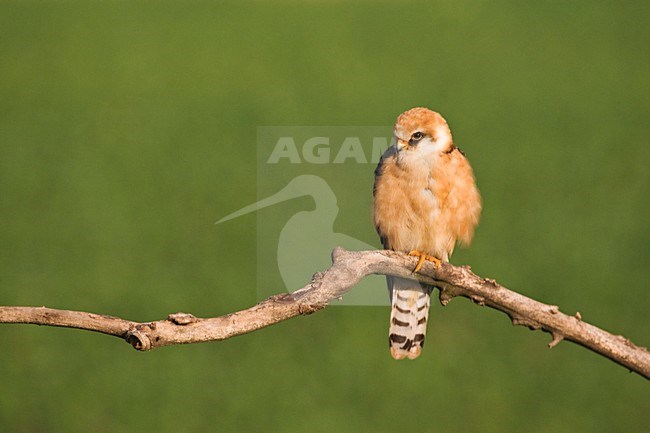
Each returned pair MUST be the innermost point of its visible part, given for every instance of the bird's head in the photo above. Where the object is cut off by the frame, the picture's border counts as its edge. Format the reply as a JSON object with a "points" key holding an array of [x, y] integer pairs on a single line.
{"points": [[422, 131]]}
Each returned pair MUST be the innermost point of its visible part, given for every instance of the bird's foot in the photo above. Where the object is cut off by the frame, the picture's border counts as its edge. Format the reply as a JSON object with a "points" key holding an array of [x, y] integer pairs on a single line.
{"points": [[422, 257]]}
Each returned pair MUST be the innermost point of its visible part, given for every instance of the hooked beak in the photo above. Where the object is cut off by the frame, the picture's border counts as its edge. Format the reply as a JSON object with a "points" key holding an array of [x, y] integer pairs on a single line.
{"points": [[401, 144]]}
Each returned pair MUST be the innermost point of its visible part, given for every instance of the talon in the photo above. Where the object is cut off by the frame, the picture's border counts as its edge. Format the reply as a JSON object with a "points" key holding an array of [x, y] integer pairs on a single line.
{"points": [[422, 257]]}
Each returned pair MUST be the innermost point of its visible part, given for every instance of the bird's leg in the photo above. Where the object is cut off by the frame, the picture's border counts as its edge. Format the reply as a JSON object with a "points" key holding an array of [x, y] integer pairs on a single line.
{"points": [[422, 257]]}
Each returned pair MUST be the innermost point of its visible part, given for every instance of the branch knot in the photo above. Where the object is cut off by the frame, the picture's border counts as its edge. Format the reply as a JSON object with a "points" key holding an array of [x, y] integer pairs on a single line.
{"points": [[138, 338], [182, 318], [307, 309]]}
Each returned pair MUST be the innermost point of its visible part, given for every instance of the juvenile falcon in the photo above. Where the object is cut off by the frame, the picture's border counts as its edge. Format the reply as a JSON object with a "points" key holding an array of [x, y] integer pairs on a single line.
{"points": [[425, 201]]}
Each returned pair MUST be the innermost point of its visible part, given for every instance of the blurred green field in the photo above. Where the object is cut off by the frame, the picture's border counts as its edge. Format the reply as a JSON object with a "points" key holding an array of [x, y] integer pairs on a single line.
{"points": [[128, 128]]}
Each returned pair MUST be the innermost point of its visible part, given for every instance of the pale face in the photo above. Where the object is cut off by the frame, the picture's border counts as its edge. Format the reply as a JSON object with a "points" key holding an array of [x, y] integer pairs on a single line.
{"points": [[421, 135]]}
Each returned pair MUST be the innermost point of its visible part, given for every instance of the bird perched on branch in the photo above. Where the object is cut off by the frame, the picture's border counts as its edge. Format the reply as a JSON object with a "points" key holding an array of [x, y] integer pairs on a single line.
{"points": [[425, 201]]}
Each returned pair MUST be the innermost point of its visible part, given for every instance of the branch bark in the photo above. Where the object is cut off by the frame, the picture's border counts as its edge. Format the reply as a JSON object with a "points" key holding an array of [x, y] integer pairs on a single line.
{"points": [[348, 268]]}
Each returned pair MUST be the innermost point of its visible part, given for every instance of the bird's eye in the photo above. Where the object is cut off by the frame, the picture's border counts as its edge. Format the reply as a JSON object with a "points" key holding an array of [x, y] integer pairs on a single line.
{"points": [[415, 137]]}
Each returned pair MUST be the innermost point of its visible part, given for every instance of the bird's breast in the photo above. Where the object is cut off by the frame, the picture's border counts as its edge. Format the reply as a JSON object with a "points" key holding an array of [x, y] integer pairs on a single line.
{"points": [[407, 210]]}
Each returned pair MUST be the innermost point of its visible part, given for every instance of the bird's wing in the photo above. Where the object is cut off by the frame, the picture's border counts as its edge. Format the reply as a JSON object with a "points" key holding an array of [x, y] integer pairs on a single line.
{"points": [[460, 200], [386, 158]]}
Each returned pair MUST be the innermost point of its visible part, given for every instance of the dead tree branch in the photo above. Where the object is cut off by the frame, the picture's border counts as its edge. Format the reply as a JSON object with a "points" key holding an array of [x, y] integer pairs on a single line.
{"points": [[348, 268]]}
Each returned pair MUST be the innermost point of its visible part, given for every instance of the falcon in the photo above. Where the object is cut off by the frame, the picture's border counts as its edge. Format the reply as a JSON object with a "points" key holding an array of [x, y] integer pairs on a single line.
{"points": [[425, 201]]}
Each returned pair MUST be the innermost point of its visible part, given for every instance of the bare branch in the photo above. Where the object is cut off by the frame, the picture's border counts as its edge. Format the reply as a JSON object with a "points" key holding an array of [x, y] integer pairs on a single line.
{"points": [[348, 268]]}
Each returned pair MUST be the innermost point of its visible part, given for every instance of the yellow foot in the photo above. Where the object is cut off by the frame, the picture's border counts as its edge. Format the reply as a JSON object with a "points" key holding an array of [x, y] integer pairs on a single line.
{"points": [[422, 257]]}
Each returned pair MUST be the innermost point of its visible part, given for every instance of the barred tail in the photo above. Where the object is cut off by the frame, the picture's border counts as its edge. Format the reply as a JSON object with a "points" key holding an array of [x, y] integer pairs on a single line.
{"points": [[408, 318]]}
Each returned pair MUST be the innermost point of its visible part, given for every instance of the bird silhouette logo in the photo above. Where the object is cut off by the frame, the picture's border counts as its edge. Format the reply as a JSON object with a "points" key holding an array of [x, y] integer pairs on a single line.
{"points": [[307, 239]]}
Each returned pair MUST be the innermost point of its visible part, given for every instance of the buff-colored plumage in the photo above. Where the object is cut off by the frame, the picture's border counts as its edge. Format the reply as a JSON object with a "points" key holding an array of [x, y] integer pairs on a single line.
{"points": [[425, 200]]}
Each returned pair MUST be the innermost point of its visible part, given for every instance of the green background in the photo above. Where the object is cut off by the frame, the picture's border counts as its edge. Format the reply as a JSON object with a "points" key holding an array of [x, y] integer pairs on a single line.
{"points": [[128, 128]]}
